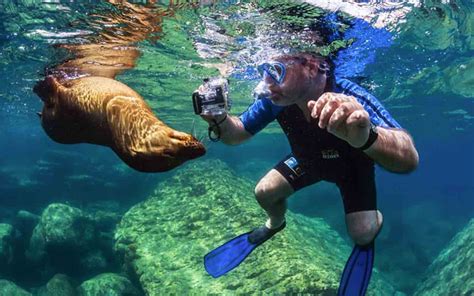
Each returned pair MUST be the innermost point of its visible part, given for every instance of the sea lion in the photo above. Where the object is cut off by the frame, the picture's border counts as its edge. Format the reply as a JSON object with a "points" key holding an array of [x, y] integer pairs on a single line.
{"points": [[103, 111]]}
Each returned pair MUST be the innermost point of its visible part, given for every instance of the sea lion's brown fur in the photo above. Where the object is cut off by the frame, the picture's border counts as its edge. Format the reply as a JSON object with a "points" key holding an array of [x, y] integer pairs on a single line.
{"points": [[99, 110], [103, 111]]}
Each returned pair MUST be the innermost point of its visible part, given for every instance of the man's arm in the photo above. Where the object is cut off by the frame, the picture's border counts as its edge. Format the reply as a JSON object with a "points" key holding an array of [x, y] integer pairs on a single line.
{"points": [[344, 117], [231, 128], [394, 150], [234, 130]]}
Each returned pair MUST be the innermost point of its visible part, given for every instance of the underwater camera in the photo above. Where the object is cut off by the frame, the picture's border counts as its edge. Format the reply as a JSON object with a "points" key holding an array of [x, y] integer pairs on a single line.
{"points": [[212, 98]]}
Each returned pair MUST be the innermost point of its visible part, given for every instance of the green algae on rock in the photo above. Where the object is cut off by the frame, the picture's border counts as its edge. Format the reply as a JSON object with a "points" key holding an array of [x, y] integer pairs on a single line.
{"points": [[452, 272], [162, 240], [59, 285], [8, 288], [7, 236], [94, 261], [61, 226], [109, 284]]}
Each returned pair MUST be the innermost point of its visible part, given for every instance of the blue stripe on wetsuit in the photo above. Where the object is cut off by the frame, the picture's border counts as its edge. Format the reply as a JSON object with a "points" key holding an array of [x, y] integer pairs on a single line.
{"points": [[259, 114], [378, 114]]}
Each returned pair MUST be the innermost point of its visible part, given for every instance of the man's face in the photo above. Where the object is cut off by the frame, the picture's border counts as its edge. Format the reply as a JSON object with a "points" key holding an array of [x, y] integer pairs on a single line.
{"points": [[301, 81]]}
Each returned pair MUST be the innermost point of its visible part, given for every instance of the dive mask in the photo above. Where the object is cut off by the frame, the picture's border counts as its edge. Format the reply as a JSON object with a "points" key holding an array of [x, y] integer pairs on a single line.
{"points": [[273, 69]]}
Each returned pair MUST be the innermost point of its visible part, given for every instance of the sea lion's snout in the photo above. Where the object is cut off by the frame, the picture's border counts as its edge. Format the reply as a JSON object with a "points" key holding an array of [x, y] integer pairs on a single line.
{"points": [[192, 149], [162, 157], [186, 146], [183, 147]]}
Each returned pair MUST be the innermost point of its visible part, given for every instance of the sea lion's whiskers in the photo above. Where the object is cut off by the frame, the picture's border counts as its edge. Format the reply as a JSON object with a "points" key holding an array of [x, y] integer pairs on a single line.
{"points": [[193, 129], [204, 139]]}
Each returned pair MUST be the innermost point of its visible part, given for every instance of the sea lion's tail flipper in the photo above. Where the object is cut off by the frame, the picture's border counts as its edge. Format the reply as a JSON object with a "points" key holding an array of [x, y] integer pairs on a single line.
{"points": [[47, 89]]}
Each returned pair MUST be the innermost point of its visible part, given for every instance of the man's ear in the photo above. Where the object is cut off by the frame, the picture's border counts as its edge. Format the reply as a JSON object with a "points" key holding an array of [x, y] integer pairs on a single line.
{"points": [[313, 67]]}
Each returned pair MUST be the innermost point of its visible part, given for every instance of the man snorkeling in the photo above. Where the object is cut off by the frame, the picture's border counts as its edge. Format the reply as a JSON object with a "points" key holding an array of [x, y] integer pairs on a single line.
{"points": [[337, 132]]}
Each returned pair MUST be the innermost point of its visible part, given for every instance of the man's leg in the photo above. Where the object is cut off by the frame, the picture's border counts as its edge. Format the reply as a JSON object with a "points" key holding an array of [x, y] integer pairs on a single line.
{"points": [[363, 226], [271, 193], [363, 222]]}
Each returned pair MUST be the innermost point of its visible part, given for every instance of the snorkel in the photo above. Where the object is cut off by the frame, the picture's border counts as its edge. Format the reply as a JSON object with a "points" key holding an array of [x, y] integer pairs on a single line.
{"points": [[275, 72]]}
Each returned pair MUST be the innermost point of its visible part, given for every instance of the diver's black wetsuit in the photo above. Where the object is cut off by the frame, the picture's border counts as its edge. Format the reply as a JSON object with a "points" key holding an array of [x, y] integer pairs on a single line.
{"points": [[317, 154]]}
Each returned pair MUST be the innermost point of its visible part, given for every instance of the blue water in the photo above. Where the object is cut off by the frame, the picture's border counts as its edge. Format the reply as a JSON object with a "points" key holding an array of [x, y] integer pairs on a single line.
{"points": [[413, 77]]}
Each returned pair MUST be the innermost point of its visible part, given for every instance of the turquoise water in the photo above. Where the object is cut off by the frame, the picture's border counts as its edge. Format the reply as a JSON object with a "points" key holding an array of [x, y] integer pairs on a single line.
{"points": [[425, 78]]}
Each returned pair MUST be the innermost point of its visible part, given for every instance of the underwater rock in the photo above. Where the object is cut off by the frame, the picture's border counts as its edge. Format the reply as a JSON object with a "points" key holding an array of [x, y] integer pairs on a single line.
{"points": [[106, 214], [459, 77], [452, 272], [8, 288], [107, 284], [7, 237], [453, 79], [94, 261], [162, 241], [64, 228], [67, 240], [37, 248], [25, 222], [59, 285]]}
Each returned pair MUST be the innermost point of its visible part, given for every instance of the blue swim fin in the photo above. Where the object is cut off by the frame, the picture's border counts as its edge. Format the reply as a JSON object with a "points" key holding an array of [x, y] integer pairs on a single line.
{"points": [[356, 275], [228, 256]]}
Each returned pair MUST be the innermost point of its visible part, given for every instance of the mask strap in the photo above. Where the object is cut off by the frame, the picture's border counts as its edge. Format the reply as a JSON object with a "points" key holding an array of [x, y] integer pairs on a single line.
{"points": [[324, 68]]}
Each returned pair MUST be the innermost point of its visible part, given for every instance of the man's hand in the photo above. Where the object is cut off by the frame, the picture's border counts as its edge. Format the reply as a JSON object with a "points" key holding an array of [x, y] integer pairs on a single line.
{"points": [[342, 116], [211, 118]]}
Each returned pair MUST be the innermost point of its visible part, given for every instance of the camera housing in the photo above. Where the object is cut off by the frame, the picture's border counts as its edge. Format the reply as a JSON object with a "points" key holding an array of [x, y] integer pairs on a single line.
{"points": [[212, 98]]}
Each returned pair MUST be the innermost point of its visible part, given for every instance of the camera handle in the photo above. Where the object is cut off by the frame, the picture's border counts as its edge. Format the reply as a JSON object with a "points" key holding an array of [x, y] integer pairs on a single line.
{"points": [[218, 130]]}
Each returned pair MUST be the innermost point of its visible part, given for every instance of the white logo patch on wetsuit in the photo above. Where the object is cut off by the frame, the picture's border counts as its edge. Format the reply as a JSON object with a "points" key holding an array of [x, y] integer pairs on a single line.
{"points": [[292, 163], [330, 154]]}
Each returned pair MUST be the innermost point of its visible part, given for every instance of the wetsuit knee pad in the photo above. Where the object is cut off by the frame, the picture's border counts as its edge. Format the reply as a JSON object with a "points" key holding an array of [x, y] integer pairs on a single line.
{"points": [[364, 226]]}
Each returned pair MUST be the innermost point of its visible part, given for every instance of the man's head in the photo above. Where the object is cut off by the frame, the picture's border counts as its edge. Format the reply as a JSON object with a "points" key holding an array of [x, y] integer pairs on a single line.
{"points": [[295, 78]]}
